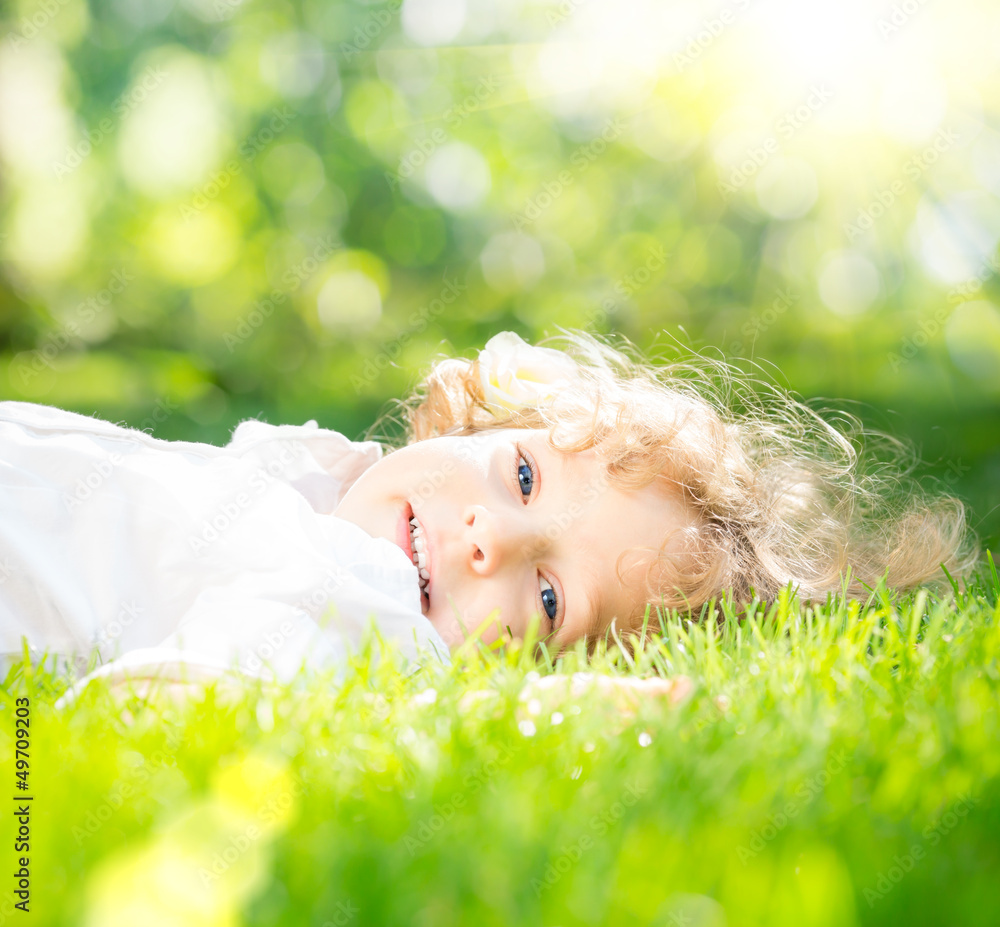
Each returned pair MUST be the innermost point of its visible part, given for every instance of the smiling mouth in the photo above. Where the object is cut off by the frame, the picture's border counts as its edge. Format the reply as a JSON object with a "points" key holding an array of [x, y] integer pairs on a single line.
{"points": [[421, 560]]}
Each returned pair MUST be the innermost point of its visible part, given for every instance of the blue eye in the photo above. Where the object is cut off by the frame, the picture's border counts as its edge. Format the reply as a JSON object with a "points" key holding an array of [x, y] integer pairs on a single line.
{"points": [[525, 473], [549, 600]]}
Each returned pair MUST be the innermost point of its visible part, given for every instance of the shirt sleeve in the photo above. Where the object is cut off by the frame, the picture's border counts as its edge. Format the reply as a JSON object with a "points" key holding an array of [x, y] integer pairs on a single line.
{"points": [[226, 634], [240, 636], [320, 463]]}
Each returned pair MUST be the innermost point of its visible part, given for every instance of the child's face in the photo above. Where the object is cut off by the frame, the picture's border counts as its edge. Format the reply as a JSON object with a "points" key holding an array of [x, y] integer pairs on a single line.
{"points": [[499, 537]]}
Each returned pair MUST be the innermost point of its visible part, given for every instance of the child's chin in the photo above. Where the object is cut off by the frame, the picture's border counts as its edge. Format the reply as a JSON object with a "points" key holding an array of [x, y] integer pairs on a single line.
{"points": [[451, 633]]}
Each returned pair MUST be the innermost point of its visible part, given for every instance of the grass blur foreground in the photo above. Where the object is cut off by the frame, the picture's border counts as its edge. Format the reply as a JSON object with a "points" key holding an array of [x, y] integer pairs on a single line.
{"points": [[835, 765]]}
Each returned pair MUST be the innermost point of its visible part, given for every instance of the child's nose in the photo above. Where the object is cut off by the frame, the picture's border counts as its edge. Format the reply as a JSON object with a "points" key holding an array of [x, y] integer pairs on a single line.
{"points": [[493, 540]]}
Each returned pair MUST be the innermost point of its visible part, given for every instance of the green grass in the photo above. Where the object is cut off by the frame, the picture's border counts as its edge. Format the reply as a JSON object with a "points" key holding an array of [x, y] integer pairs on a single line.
{"points": [[836, 765]]}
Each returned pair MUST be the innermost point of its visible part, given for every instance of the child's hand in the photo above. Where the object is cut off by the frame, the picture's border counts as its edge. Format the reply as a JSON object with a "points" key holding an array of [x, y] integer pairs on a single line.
{"points": [[626, 693], [623, 694]]}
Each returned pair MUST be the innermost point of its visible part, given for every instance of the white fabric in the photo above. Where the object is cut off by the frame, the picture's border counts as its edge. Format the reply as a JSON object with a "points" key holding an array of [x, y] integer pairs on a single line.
{"points": [[182, 560]]}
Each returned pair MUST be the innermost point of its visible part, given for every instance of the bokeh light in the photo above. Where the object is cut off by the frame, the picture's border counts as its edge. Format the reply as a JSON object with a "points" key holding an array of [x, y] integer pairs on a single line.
{"points": [[289, 187]]}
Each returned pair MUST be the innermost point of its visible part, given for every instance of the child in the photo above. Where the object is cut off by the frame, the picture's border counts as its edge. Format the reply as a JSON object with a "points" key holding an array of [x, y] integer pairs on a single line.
{"points": [[577, 486]]}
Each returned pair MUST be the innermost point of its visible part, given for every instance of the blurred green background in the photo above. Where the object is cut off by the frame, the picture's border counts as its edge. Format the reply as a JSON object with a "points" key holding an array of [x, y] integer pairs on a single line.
{"points": [[216, 209]]}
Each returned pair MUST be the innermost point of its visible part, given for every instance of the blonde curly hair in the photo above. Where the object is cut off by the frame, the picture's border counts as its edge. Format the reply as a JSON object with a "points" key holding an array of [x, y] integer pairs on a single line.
{"points": [[781, 494]]}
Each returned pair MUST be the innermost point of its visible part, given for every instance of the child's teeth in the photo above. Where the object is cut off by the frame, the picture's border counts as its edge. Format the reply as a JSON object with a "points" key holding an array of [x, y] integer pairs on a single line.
{"points": [[419, 546]]}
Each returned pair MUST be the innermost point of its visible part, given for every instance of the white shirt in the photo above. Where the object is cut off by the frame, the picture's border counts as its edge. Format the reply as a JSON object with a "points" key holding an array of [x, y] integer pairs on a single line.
{"points": [[182, 560]]}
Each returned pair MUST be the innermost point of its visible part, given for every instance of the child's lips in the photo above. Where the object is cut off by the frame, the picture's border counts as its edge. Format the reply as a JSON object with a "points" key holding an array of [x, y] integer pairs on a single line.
{"points": [[425, 598], [404, 541], [403, 532]]}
